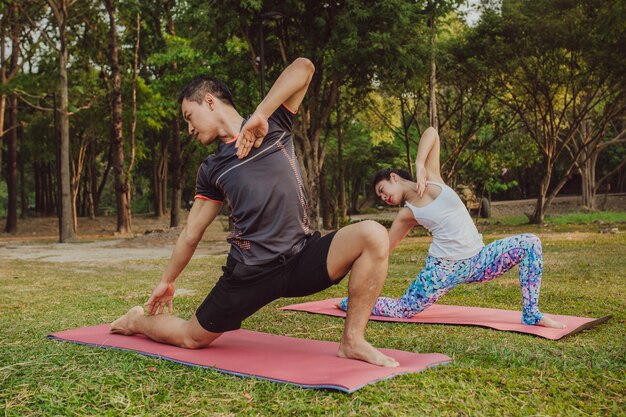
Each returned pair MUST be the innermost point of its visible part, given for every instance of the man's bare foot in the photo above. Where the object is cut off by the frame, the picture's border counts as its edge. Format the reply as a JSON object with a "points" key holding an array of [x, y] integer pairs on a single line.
{"points": [[548, 322], [123, 325], [363, 351]]}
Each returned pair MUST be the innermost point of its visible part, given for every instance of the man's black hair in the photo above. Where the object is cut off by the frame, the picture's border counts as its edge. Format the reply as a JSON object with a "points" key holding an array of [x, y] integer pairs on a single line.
{"points": [[196, 89]]}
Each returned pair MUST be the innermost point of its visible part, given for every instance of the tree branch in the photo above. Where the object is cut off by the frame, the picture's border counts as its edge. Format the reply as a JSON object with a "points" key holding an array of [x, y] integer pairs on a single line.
{"points": [[44, 33]]}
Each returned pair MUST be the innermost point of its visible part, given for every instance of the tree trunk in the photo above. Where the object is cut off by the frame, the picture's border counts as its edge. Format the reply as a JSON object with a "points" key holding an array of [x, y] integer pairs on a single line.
{"points": [[121, 177], [22, 170], [159, 177], [356, 186], [133, 123], [588, 176], [326, 205], [11, 224], [36, 175], [3, 79], [3, 101], [103, 180], [91, 181], [66, 232], [406, 139], [432, 108], [156, 190], [313, 190], [175, 160], [341, 180], [76, 176], [589, 158], [309, 149], [538, 215], [51, 194]]}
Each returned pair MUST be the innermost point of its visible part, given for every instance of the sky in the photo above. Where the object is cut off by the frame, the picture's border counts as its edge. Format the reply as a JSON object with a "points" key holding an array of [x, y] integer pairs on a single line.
{"points": [[471, 13]]}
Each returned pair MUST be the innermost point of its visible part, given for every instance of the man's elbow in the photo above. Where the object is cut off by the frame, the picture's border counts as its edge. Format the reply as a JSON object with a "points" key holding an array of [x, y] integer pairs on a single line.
{"points": [[432, 131], [306, 64]]}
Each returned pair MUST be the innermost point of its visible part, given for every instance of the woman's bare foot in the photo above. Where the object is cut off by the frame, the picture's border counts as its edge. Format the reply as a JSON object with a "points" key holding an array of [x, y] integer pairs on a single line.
{"points": [[548, 322], [363, 351], [123, 325]]}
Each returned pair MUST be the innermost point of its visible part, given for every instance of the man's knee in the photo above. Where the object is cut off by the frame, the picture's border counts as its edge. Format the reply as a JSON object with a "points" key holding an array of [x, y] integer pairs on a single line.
{"points": [[196, 337], [193, 343], [374, 237]]}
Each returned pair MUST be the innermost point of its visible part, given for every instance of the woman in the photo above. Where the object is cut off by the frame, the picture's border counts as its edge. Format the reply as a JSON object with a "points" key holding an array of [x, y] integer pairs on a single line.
{"points": [[457, 254]]}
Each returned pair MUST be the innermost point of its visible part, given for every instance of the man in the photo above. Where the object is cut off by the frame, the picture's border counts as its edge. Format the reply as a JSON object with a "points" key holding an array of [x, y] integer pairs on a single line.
{"points": [[273, 252]]}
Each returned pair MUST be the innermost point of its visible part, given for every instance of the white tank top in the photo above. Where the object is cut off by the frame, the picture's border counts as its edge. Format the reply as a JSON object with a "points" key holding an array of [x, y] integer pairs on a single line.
{"points": [[454, 233]]}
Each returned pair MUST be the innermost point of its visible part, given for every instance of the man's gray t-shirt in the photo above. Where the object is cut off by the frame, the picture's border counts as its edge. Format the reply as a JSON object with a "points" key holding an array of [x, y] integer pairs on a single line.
{"points": [[265, 193]]}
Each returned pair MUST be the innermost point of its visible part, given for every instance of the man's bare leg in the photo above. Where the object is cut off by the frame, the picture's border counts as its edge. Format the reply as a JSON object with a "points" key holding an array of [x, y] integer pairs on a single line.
{"points": [[362, 248], [164, 328]]}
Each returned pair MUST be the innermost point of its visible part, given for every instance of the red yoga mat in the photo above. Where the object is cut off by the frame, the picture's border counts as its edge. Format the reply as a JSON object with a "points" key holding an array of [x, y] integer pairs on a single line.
{"points": [[492, 318], [302, 362]]}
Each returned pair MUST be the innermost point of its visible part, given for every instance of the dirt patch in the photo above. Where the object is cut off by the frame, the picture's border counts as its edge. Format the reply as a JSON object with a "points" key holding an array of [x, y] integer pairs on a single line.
{"points": [[560, 205], [97, 243], [502, 209]]}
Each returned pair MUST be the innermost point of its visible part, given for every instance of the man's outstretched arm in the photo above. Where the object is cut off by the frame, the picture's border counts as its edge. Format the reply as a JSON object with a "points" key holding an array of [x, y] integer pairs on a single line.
{"points": [[202, 214], [289, 89]]}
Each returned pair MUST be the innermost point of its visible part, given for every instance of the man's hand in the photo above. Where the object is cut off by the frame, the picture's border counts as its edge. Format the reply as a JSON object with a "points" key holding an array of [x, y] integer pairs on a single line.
{"points": [[420, 179], [162, 294], [252, 134]]}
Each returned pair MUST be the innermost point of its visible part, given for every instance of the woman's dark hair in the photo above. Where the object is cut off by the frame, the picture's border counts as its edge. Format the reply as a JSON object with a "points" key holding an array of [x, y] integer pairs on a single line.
{"points": [[385, 174], [196, 89]]}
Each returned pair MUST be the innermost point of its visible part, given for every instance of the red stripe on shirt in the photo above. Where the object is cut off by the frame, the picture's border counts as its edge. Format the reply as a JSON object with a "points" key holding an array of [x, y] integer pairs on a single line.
{"points": [[201, 197], [288, 109]]}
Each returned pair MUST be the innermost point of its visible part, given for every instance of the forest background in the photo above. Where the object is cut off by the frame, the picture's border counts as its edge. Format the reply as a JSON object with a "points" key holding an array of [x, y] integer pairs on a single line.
{"points": [[529, 98]]}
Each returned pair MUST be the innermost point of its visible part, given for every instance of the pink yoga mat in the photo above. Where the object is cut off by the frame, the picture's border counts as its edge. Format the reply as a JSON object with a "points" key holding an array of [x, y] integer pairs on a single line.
{"points": [[302, 362], [492, 318]]}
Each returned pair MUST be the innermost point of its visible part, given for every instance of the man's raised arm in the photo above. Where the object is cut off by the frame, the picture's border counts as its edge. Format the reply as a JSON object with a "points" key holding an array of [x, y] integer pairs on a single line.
{"points": [[289, 89]]}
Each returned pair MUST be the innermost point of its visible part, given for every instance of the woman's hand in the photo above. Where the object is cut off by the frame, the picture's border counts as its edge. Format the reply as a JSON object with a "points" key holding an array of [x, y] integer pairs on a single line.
{"points": [[420, 179]]}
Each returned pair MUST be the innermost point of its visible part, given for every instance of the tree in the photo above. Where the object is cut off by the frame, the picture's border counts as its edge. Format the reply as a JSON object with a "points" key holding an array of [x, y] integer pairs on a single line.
{"points": [[599, 131], [14, 24], [604, 126], [122, 180], [60, 10], [339, 38], [538, 71]]}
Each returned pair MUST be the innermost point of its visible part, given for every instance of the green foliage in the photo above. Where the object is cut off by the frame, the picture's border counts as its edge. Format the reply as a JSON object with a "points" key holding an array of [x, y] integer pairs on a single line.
{"points": [[379, 54], [4, 198], [141, 204], [583, 218]]}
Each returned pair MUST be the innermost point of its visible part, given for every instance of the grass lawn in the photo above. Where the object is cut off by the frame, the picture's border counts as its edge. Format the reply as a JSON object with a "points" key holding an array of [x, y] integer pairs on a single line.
{"points": [[492, 373]]}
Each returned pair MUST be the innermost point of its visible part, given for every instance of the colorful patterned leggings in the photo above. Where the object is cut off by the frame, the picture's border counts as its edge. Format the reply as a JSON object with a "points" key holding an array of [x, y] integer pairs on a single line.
{"points": [[440, 276]]}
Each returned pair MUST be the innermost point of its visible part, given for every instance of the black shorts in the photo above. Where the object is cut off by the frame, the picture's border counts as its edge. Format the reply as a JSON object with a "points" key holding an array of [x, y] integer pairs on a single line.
{"points": [[244, 289]]}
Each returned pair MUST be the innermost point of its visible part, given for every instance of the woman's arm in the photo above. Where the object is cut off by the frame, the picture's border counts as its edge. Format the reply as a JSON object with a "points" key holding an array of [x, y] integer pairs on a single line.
{"points": [[427, 164], [401, 226]]}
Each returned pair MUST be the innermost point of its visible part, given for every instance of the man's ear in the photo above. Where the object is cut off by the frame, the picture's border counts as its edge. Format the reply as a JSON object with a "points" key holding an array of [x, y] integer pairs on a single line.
{"points": [[210, 100]]}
